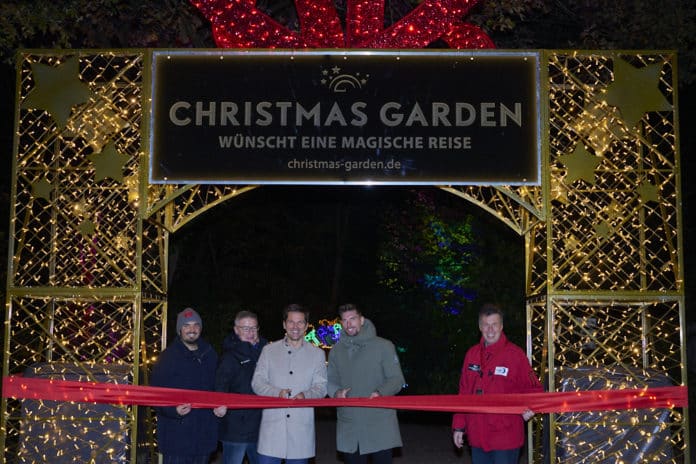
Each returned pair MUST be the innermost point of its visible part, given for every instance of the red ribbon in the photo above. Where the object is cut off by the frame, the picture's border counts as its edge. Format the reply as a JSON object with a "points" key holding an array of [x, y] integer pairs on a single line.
{"points": [[125, 394]]}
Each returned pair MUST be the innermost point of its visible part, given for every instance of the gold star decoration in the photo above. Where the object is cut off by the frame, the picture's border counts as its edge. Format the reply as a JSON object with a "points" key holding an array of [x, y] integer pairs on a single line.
{"points": [[602, 229], [108, 163], [132, 182], [648, 192], [635, 91], [87, 227], [42, 188], [571, 243], [599, 126], [97, 124], [81, 207], [559, 192], [613, 210], [57, 90], [122, 242], [580, 164]]}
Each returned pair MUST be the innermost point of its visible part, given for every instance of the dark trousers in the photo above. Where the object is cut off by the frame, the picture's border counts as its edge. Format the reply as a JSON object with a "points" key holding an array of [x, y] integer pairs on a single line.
{"points": [[173, 459], [478, 456], [379, 457]]}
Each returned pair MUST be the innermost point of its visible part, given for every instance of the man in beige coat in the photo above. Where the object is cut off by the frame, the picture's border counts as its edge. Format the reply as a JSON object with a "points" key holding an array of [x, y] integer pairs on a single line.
{"points": [[295, 369]]}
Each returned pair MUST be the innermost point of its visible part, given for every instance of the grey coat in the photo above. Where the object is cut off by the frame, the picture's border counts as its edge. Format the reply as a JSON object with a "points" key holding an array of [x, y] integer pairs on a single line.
{"points": [[289, 432], [365, 363]]}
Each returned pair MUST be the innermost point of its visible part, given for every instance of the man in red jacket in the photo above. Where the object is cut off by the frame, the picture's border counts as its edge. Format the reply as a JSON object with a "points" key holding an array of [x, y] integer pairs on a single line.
{"points": [[495, 365]]}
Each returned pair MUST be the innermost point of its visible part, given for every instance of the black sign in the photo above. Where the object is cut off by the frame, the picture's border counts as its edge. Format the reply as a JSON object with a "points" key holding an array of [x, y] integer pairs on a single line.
{"points": [[345, 117]]}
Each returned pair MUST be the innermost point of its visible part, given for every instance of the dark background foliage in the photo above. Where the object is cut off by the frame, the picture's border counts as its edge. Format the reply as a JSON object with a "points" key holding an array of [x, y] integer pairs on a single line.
{"points": [[371, 246]]}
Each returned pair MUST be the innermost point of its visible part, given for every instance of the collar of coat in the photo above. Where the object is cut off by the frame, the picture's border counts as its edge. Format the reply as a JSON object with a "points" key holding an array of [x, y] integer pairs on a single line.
{"points": [[203, 347], [496, 347], [367, 332], [233, 343]]}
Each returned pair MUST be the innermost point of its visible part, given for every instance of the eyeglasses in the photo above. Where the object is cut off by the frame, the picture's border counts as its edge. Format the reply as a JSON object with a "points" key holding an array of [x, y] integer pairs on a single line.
{"points": [[247, 328]]}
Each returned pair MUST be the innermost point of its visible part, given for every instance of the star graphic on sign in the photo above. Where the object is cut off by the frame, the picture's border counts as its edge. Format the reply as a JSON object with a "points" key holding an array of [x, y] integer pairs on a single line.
{"points": [[648, 192], [108, 163], [635, 91], [57, 90], [42, 189], [580, 164]]}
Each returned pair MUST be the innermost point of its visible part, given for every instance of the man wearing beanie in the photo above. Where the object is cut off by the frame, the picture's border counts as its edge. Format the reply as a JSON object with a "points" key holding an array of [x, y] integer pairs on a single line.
{"points": [[186, 435]]}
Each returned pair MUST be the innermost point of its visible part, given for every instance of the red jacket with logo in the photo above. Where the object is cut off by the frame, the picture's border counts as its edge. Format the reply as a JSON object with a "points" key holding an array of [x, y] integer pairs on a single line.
{"points": [[498, 368]]}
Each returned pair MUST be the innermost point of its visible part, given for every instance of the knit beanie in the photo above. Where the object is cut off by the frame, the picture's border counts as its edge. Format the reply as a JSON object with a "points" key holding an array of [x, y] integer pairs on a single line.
{"points": [[187, 315]]}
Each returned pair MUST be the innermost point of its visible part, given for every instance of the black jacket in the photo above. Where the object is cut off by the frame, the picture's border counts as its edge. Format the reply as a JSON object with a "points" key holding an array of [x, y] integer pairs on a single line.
{"points": [[234, 373], [178, 367]]}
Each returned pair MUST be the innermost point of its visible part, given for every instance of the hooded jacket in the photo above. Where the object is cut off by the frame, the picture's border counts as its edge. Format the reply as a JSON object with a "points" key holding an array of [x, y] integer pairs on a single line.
{"points": [[196, 433], [365, 363], [234, 374], [498, 368]]}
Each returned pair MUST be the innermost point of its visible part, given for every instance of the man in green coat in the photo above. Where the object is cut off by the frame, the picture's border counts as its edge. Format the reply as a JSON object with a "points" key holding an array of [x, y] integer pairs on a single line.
{"points": [[363, 365]]}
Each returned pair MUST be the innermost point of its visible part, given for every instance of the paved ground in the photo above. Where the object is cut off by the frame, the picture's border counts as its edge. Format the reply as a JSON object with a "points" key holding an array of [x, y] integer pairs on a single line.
{"points": [[427, 440], [426, 436]]}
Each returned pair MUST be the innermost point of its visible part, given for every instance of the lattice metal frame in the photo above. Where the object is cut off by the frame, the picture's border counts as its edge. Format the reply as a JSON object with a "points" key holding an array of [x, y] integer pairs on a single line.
{"points": [[607, 265], [87, 279]]}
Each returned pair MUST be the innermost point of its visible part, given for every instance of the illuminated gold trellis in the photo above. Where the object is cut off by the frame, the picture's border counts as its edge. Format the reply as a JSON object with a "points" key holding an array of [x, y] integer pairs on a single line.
{"points": [[88, 248]]}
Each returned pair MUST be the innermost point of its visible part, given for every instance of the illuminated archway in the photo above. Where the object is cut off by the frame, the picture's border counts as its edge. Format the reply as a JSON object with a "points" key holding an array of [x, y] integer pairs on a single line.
{"points": [[87, 281]]}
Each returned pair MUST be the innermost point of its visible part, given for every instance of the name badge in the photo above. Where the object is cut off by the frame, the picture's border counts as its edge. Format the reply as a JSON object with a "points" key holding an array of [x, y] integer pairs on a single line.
{"points": [[501, 370]]}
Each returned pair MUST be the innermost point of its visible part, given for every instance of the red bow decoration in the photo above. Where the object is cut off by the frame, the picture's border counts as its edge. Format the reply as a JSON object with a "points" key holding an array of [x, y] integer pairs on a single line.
{"points": [[239, 24]]}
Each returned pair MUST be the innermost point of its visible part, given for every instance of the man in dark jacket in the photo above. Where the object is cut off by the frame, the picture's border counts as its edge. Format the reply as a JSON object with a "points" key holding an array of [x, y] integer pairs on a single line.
{"points": [[186, 435], [363, 365], [241, 350]]}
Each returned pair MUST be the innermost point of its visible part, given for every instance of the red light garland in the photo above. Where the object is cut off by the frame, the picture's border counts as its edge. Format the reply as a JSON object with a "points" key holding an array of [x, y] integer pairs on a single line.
{"points": [[239, 24]]}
